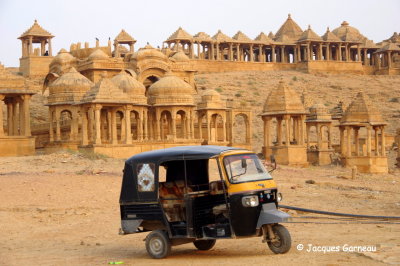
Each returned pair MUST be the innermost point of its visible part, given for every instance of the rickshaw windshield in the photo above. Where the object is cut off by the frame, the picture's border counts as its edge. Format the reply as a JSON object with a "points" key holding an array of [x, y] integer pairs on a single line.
{"points": [[245, 168]]}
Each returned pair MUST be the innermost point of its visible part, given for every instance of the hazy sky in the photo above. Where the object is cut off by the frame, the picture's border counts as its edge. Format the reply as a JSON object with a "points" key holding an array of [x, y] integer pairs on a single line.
{"points": [[153, 20]]}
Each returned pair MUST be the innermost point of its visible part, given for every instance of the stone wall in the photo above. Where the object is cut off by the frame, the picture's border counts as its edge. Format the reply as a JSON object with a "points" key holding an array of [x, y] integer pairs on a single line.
{"points": [[17, 146], [35, 66], [330, 67]]}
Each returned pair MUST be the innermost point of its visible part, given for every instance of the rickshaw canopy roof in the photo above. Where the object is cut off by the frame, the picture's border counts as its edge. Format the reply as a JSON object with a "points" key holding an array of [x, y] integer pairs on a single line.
{"points": [[180, 153]]}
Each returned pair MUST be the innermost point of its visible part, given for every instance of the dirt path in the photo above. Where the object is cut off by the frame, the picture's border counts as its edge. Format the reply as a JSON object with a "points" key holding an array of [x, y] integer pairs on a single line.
{"points": [[63, 209]]}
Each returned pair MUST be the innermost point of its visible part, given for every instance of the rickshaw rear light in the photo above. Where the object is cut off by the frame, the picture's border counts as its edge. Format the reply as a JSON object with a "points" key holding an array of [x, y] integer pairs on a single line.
{"points": [[250, 201]]}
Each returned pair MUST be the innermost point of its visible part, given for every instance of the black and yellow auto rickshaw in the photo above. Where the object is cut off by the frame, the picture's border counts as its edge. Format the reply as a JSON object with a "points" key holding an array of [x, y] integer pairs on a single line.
{"points": [[200, 194]]}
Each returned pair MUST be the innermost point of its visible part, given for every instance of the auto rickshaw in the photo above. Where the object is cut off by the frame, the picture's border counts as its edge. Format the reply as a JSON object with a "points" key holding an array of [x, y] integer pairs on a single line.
{"points": [[200, 194]]}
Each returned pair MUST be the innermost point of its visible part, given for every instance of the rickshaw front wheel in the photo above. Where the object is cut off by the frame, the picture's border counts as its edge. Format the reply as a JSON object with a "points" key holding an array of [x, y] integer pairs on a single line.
{"points": [[204, 244], [282, 242], [158, 245]]}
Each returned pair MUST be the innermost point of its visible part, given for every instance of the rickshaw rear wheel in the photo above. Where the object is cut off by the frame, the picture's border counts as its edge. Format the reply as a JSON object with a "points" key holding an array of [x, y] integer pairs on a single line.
{"points": [[282, 242], [204, 244], [158, 245]]}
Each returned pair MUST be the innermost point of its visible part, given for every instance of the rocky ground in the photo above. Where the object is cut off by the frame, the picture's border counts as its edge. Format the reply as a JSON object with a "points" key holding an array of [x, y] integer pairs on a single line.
{"points": [[62, 209]]}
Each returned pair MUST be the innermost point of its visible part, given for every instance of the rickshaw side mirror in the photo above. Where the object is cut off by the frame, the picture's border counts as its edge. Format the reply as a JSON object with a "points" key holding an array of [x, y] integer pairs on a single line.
{"points": [[273, 162], [244, 163], [272, 159]]}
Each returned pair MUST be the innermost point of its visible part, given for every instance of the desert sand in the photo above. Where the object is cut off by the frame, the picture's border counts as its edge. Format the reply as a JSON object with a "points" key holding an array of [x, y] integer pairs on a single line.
{"points": [[62, 209]]}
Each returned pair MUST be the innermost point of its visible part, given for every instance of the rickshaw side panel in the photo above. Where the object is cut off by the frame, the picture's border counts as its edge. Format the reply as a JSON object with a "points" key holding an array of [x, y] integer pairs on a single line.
{"points": [[271, 215], [135, 215]]}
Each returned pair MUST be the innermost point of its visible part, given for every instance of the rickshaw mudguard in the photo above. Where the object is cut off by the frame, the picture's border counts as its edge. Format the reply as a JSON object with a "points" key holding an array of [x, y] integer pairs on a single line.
{"points": [[130, 226], [270, 215]]}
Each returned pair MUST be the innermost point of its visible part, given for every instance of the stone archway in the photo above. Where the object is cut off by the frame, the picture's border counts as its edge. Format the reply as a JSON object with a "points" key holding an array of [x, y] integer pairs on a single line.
{"points": [[150, 81]]}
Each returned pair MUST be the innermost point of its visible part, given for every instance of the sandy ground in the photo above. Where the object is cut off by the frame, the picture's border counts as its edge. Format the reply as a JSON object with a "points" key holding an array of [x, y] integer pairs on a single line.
{"points": [[62, 209]]}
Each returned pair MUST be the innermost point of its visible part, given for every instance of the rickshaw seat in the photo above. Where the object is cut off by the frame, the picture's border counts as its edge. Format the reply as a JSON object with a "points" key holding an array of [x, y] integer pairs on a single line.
{"points": [[171, 197], [216, 188]]}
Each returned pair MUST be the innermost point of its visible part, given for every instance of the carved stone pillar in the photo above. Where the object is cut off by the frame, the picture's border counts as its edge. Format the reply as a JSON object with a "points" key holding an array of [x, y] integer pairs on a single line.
{"points": [[199, 125], [348, 131], [145, 124], [342, 146], [279, 131], [30, 45], [21, 122], [376, 139], [128, 131], [84, 131], [357, 141], [50, 48], [383, 141], [1, 116], [97, 124], [51, 130], [114, 137], [27, 122], [368, 141], [273, 54], [58, 126], [266, 132], [158, 125], [15, 118]]}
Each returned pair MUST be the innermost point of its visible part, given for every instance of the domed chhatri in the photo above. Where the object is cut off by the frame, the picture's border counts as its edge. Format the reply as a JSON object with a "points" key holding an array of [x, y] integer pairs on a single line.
{"points": [[171, 90], [363, 116], [69, 88], [319, 152], [180, 57], [98, 54], [211, 99], [62, 62], [319, 112], [283, 100], [148, 52], [133, 88], [284, 106], [346, 29], [63, 57]]}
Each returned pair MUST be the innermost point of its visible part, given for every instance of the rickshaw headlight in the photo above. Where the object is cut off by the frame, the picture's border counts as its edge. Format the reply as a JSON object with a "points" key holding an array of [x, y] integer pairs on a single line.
{"points": [[250, 201], [279, 197]]}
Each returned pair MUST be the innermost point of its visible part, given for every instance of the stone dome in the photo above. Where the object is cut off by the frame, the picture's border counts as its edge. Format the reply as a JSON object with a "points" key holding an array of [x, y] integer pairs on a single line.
{"points": [[211, 99], [319, 112], [148, 52], [98, 54], [319, 108], [69, 88], [346, 29], [180, 57], [170, 90], [362, 111], [63, 57], [283, 100], [133, 88], [211, 95]]}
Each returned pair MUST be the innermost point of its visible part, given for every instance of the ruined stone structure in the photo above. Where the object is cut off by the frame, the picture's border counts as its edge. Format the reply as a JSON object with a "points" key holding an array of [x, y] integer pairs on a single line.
{"points": [[343, 50], [284, 113], [319, 150], [15, 133], [363, 119]]}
